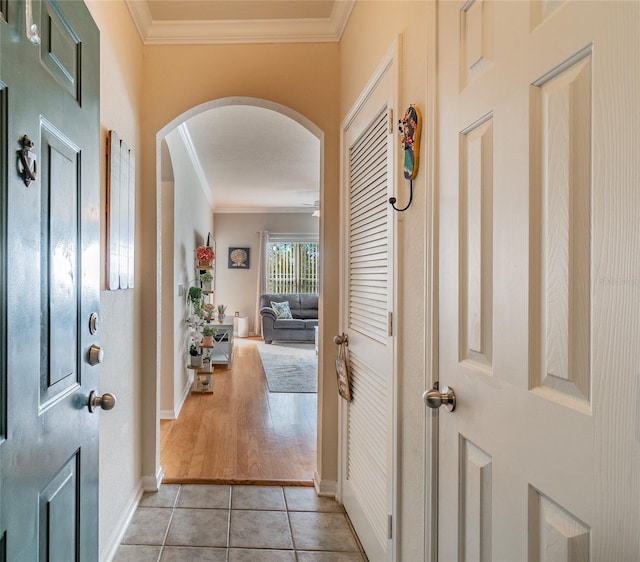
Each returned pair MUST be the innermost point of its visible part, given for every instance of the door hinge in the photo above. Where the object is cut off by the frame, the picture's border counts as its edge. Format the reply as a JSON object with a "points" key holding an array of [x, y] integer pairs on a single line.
{"points": [[389, 526], [390, 120], [390, 323]]}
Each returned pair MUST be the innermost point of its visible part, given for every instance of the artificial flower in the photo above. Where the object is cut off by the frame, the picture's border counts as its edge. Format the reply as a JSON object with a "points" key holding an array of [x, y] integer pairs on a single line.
{"points": [[205, 253]]}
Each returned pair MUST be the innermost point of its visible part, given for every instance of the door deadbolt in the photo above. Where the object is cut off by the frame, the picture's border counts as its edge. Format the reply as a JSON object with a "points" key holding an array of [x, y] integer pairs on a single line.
{"points": [[96, 355]]}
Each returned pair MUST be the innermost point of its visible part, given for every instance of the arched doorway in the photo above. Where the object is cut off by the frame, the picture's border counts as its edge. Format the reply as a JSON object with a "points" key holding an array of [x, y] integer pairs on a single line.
{"points": [[170, 383]]}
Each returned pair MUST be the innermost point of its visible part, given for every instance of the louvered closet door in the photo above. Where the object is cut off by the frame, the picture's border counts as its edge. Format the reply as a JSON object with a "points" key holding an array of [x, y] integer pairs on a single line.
{"points": [[367, 428]]}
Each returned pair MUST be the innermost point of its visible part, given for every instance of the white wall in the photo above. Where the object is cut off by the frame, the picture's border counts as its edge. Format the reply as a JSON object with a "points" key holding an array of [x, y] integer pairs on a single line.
{"points": [[186, 224], [238, 288]]}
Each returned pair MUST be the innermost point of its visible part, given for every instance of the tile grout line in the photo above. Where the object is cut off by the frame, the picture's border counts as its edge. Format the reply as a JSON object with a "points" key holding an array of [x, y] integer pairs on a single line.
{"points": [[166, 533], [288, 510], [286, 507], [230, 506]]}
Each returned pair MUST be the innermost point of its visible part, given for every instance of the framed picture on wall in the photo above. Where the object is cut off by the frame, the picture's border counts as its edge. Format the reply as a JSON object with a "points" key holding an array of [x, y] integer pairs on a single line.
{"points": [[238, 258]]}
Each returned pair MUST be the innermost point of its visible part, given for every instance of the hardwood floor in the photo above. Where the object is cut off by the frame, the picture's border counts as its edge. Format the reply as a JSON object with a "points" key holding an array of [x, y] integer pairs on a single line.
{"points": [[241, 432]]}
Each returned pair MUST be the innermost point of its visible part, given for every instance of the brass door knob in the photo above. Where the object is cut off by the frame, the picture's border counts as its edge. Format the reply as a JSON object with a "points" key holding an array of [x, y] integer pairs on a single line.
{"points": [[341, 339], [435, 398], [106, 401]]}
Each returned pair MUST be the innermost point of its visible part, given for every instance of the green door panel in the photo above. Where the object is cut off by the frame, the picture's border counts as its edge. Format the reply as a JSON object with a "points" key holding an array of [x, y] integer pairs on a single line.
{"points": [[49, 285]]}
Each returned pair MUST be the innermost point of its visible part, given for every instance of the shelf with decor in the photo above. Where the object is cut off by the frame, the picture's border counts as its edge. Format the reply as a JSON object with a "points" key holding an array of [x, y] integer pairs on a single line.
{"points": [[201, 360], [199, 317], [205, 266]]}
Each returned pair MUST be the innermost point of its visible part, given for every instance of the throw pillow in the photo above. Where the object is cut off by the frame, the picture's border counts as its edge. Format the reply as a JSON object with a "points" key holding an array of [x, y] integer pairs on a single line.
{"points": [[282, 310]]}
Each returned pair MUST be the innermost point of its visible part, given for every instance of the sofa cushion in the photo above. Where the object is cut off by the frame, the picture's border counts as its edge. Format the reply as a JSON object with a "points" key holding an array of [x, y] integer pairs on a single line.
{"points": [[308, 306], [289, 324], [281, 309], [302, 305], [310, 324]]}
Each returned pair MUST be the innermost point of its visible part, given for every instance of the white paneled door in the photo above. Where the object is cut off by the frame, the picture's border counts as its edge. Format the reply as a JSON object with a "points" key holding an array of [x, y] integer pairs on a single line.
{"points": [[539, 287], [367, 423]]}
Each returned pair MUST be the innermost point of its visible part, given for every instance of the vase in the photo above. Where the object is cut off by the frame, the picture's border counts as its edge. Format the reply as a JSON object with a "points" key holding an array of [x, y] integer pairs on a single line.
{"points": [[196, 360], [207, 341], [221, 317], [206, 286]]}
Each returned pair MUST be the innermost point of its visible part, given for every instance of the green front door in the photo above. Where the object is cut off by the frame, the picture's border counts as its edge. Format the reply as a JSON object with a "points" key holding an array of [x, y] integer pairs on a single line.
{"points": [[50, 268]]}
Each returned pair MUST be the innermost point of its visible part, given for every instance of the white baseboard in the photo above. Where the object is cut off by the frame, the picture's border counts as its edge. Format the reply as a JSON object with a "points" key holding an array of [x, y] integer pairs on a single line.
{"points": [[173, 414], [325, 488], [151, 483], [122, 525]]}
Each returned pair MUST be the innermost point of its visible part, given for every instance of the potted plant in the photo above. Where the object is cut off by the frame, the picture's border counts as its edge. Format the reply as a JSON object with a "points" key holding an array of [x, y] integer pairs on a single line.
{"points": [[206, 364], [208, 332], [221, 311], [195, 298], [196, 356], [205, 256], [208, 309], [206, 279]]}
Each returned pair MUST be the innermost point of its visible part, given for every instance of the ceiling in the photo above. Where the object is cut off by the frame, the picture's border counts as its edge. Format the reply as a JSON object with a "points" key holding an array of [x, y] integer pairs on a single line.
{"points": [[253, 159], [256, 159], [239, 21]]}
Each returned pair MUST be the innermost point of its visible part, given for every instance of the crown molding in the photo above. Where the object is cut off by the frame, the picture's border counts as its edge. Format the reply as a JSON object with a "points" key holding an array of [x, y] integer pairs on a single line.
{"points": [[141, 16], [240, 31], [195, 161]]}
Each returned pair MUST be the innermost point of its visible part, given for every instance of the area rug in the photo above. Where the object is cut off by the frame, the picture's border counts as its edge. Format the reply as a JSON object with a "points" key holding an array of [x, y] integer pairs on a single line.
{"points": [[289, 367]]}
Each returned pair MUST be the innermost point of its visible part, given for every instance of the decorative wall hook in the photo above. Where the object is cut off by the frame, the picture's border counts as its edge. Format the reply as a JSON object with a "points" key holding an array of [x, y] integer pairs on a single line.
{"points": [[410, 127], [27, 166]]}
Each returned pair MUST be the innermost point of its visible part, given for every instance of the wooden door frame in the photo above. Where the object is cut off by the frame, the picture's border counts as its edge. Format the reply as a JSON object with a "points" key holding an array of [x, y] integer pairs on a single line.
{"points": [[392, 57], [431, 300]]}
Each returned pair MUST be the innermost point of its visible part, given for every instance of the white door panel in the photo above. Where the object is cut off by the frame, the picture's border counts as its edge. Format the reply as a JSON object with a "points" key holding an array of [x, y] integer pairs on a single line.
{"points": [[538, 280]]}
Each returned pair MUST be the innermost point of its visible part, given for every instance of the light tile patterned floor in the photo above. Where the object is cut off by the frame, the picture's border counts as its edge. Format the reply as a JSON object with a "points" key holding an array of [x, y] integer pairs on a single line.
{"points": [[212, 523]]}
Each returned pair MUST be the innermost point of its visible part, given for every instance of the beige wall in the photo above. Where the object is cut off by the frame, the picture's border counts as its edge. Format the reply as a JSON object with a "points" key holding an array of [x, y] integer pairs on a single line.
{"points": [[302, 77], [143, 89], [146, 88], [371, 30], [120, 429]]}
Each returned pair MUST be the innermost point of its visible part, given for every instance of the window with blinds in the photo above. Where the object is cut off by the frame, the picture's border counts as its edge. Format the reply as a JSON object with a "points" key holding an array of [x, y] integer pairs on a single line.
{"points": [[292, 267]]}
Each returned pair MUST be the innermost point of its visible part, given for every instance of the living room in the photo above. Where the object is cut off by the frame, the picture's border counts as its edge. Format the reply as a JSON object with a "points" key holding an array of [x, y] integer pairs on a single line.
{"points": [[238, 288]]}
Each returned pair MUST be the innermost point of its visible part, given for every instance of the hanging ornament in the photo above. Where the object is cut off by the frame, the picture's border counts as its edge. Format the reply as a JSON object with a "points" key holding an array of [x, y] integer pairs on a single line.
{"points": [[410, 127]]}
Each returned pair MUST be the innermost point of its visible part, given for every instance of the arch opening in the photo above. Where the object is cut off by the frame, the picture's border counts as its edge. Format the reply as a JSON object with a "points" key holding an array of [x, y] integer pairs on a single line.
{"points": [[169, 341]]}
